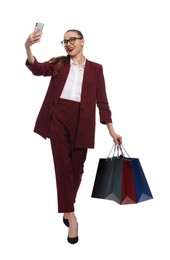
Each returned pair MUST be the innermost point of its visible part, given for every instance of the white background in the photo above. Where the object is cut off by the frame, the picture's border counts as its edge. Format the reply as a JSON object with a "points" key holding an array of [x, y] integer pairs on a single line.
{"points": [[131, 39]]}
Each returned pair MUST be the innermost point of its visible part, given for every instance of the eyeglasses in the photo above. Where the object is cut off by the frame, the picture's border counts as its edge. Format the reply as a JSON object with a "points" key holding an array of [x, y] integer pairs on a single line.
{"points": [[72, 40]]}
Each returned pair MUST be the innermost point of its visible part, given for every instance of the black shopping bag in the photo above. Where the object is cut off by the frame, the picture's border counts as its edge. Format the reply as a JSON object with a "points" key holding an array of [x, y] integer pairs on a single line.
{"points": [[106, 181]]}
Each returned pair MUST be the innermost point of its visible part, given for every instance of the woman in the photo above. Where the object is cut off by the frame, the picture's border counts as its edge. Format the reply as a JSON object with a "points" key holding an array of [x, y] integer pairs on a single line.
{"points": [[67, 116]]}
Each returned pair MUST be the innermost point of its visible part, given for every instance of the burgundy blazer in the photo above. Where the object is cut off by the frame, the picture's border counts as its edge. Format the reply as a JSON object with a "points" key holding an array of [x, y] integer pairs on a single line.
{"points": [[93, 93]]}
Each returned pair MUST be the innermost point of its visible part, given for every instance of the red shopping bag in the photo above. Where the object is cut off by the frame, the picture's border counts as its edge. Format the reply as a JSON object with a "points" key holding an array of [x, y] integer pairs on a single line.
{"points": [[128, 193]]}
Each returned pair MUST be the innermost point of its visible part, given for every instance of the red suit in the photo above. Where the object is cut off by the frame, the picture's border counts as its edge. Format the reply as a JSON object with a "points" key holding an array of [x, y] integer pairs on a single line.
{"points": [[82, 137]]}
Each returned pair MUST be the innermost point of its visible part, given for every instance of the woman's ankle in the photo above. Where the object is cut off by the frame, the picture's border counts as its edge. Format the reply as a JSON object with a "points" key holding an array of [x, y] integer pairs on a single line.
{"points": [[65, 215]]}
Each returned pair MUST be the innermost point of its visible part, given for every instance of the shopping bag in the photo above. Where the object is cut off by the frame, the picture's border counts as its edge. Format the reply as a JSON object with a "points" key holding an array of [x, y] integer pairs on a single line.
{"points": [[142, 188], [128, 192], [115, 184], [121, 179], [107, 179]]}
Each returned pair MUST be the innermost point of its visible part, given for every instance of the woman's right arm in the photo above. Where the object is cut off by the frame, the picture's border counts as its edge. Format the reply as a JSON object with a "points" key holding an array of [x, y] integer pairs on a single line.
{"points": [[34, 37]]}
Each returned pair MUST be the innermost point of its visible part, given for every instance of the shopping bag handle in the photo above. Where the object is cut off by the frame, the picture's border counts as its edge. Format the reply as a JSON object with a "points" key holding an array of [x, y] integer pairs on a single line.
{"points": [[113, 146], [119, 148]]}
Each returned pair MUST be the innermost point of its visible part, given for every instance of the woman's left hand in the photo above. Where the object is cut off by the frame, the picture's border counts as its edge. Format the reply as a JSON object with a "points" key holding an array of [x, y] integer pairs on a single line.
{"points": [[116, 137]]}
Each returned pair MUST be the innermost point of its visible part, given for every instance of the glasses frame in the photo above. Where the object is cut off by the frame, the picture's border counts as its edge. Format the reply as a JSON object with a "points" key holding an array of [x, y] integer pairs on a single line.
{"points": [[65, 42]]}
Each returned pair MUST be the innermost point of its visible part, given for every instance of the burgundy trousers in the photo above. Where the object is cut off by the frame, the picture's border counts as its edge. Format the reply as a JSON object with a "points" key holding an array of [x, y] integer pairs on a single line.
{"points": [[68, 160]]}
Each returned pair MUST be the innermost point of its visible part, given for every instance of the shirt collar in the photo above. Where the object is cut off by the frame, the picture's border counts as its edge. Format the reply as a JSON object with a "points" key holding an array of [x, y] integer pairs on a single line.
{"points": [[82, 66]]}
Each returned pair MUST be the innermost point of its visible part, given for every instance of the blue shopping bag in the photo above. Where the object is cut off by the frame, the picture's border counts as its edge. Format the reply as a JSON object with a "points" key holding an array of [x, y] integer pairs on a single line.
{"points": [[142, 188]]}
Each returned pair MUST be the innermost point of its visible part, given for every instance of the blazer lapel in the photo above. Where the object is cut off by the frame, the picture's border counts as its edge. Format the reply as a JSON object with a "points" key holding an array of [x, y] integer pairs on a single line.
{"points": [[86, 83], [62, 77], [60, 80]]}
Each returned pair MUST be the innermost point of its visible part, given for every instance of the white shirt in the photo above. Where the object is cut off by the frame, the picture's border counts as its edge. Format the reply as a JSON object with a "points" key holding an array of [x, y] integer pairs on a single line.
{"points": [[73, 86]]}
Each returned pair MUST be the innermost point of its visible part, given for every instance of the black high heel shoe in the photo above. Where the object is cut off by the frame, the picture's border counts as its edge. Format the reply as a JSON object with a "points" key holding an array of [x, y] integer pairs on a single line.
{"points": [[66, 222], [73, 240]]}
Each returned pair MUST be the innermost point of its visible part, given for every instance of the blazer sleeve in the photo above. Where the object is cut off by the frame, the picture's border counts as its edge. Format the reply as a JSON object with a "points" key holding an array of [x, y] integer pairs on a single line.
{"points": [[40, 68], [102, 101]]}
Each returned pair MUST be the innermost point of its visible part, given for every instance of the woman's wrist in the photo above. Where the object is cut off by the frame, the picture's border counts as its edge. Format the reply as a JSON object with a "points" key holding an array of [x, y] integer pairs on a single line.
{"points": [[110, 128]]}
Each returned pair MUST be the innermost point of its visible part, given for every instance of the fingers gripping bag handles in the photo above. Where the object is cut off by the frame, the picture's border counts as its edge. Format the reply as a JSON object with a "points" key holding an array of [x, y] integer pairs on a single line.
{"points": [[121, 178]]}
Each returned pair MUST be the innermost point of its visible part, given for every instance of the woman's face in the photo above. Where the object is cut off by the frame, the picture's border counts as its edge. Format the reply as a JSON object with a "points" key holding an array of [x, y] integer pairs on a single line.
{"points": [[73, 43]]}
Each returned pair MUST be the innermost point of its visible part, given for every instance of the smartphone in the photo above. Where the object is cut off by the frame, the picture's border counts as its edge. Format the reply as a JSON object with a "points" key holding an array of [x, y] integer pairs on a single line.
{"points": [[38, 26]]}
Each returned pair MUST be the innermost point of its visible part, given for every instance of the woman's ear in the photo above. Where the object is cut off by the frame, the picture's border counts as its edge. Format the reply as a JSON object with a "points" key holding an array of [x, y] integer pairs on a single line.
{"points": [[82, 43]]}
